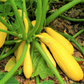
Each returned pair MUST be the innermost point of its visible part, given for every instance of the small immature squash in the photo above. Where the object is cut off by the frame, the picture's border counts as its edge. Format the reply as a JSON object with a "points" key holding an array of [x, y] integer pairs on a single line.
{"points": [[27, 65]]}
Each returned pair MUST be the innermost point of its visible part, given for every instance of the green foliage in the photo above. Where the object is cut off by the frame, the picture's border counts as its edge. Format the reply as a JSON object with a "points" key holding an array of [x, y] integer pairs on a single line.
{"points": [[12, 80], [5, 10], [47, 82], [40, 67]]}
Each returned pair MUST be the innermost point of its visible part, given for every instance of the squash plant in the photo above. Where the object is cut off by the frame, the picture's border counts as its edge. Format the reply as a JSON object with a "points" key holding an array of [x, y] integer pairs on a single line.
{"points": [[30, 36]]}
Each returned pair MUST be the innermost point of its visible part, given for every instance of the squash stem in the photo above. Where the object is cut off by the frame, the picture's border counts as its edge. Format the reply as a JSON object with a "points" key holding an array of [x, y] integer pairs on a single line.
{"points": [[29, 22], [61, 10], [70, 38], [32, 51], [71, 19], [44, 10], [82, 30], [38, 18], [37, 79], [78, 59], [19, 19], [10, 42], [9, 32], [6, 24], [9, 52], [38, 46], [3, 50]]}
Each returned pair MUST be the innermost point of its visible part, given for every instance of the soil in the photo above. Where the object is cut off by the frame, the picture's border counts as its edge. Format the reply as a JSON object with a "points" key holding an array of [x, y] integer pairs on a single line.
{"points": [[64, 26]]}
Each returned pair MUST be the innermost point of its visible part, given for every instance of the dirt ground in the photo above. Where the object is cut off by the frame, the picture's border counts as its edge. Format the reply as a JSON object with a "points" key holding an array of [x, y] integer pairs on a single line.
{"points": [[63, 26]]}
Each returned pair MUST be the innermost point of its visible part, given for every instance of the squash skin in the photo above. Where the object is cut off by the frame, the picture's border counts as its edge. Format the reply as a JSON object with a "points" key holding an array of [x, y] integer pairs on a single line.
{"points": [[19, 51], [3, 35], [60, 39], [26, 24], [48, 54], [24, 19], [3, 0], [27, 65], [33, 22], [63, 58]]}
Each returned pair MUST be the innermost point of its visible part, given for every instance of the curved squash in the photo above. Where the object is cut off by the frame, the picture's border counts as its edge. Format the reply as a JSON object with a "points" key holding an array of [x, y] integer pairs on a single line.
{"points": [[48, 54], [19, 51], [27, 65], [2, 34], [63, 58], [60, 39]]}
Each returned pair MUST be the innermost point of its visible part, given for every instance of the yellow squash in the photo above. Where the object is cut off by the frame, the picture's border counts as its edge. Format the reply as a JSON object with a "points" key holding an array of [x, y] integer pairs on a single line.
{"points": [[26, 24], [33, 22], [60, 39], [24, 19], [2, 34], [63, 58], [48, 53], [3, 0], [19, 51], [27, 65]]}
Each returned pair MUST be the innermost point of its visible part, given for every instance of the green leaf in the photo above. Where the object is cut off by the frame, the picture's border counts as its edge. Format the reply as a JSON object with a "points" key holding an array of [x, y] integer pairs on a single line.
{"points": [[10, 64], [12, 80], [47, 82], [17, 2], [40, 67]]}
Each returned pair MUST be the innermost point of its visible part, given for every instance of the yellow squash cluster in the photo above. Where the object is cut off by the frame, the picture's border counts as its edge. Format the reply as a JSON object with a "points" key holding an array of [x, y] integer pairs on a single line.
{"points": [[27, 63], [62, 51]]}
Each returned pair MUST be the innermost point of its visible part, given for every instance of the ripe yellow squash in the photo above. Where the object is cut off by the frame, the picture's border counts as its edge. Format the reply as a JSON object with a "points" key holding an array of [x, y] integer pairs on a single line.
{"points": [[3, 0], [2, 34], [33, 22], [48, 53], [24, 19], [27, 65], [60, 39], [19, 51], [63, 58]]}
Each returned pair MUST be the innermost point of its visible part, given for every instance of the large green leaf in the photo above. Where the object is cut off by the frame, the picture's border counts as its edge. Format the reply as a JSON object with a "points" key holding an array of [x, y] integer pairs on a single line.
{"points": [[40, 67], [12, 80]]}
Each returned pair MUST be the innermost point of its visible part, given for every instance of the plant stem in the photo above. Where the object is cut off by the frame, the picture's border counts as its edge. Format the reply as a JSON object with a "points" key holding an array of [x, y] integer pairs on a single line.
{"points": [[9, 42], [9, 32], [70, 38], [6, 24], [38, 46], [82, 30], [78, 59], [19, 19], [38, 18], [61, 10], [44, 10], [3, 50], [37, 79], [32, 51], [11, 72], [71, 19], [18, 72], [29, 22], [78, 45], [9, 52]]}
